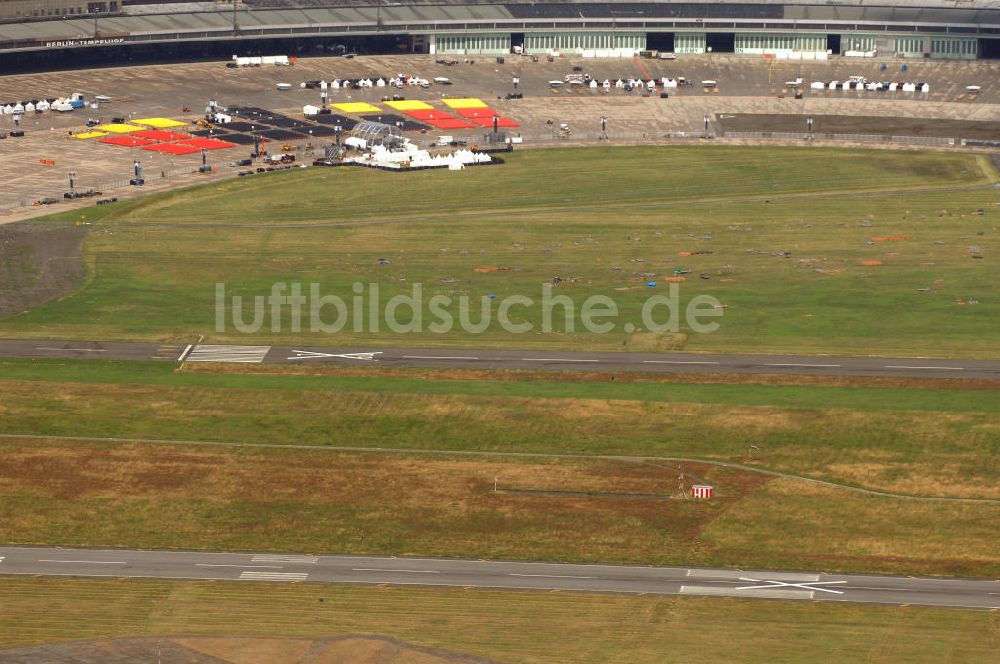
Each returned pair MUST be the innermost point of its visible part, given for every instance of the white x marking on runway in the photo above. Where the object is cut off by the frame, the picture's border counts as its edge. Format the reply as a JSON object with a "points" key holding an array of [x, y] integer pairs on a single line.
{"points": [[311, 355], [806, 585]]}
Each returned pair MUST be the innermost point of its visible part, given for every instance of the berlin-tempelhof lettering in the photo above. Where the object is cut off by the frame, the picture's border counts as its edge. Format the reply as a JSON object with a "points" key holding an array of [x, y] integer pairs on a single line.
{"points": [[295, 307]]}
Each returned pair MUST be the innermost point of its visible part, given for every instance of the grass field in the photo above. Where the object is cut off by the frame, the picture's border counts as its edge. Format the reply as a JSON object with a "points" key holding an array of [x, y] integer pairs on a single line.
{"points": [[77, 493], [922, 441], [811, 251], [781, 236], [505, 626]]}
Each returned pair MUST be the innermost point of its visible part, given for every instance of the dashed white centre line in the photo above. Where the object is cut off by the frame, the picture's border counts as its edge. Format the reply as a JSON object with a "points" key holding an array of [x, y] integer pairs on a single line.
{"points": [[554, 576], [241, 566], [81, 350], [553, 359], [88, 562], [284, 558], [439, 357], [798, 364], [892, 366], [274, 576], [408, 571], [677, 362]]}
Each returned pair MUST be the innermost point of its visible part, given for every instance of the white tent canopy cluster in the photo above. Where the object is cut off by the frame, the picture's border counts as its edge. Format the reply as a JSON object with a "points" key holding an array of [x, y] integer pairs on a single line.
{"points": [[411, 156], [870, 86], [627, 84], [397, 81], [69, 103]]}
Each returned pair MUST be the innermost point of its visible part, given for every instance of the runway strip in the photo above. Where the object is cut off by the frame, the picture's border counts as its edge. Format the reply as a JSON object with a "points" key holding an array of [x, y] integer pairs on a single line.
{"points": [[607, 362], [504, 575]]}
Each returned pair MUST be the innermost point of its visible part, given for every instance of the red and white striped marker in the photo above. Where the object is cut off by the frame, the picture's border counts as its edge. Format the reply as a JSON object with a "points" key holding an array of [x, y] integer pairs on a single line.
{"points": [[702, 491]]}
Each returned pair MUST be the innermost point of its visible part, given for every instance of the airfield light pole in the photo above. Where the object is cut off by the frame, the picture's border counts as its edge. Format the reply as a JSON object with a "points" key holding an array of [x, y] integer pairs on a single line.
{"points": [[97, 12]]}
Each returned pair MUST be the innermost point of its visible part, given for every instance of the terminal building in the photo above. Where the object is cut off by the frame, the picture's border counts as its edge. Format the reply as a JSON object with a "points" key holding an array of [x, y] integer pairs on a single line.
{"points": [[795, 29], [37, 9]]}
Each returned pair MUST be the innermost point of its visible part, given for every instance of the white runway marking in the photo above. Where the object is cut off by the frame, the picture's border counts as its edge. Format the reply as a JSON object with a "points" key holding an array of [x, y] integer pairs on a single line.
{"points": [[733, 592], [891, 366], [552, 359], [274, 576], [677, 362], [81, 350], [184, 353], [439, 357], [798, 364], [221, 353], [313, 355], [88, 562], [281, 558], [229, 565], [807, 585], [408, 571], [765, 576], [555, 576]]}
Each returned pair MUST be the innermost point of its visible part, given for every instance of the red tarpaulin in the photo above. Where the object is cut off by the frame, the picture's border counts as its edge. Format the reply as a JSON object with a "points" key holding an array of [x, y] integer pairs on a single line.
{"points": [[208, 143], [484, 117], [440, 119], [160, 135], [126, 141], [172, 148], [488, 122]]}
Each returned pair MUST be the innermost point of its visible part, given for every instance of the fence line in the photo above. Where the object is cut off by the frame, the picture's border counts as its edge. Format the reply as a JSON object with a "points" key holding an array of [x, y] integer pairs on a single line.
{"points": [[647, 136], [857, 138]]}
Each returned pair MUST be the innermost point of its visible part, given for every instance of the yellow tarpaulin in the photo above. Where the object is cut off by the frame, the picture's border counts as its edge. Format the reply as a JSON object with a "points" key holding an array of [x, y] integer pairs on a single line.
{"points": [[118, 128], [409, 105], [159, 123], [356, 107], [90, 134], [465, 103]]}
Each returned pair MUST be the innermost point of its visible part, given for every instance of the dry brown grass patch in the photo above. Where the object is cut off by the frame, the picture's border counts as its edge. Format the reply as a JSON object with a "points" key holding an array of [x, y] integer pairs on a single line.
{"points": [[589, 376]]}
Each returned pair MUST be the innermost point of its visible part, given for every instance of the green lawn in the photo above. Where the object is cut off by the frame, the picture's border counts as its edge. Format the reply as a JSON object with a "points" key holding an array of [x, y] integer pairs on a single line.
{"points": [[505, 626], [922, 441], [781, 236]]}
